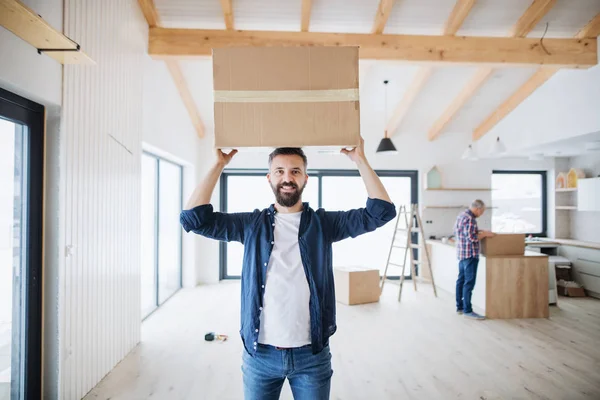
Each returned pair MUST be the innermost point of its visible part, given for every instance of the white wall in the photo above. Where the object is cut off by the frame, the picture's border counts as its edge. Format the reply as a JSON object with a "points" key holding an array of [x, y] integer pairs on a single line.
{"points": [[585, 224], [465, 174], [101, 138], [168, 132]]}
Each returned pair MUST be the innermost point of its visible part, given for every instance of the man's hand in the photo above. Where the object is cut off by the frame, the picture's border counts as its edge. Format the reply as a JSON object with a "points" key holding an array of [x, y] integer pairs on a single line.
{"points": [[358, 153], [224, 158], [486, 234], [203, 191]]}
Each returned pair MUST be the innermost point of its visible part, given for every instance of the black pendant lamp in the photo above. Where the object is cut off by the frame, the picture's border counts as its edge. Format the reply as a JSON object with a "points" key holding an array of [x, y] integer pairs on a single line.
{"points": [[386, 146]]}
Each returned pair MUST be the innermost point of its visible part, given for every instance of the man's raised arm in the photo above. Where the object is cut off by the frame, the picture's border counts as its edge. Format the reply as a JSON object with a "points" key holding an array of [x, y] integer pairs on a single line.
{"points": [[204, 190]]}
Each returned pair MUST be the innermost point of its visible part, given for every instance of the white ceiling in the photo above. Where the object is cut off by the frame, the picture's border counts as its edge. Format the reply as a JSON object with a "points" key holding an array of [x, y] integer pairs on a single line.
{"points": [[487, 18], [583, 144]]}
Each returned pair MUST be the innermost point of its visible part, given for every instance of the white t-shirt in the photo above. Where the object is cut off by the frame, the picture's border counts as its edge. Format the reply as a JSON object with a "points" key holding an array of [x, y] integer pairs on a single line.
{"points": [[285, 318]]}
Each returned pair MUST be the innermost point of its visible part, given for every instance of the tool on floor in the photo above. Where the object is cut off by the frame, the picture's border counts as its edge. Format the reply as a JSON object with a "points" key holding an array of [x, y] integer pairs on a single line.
{"points": [[412, 225], [210, 336]]}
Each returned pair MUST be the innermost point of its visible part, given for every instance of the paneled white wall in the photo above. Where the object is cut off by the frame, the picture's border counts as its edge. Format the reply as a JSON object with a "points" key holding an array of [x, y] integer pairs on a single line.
{"points": [[102, 130]]}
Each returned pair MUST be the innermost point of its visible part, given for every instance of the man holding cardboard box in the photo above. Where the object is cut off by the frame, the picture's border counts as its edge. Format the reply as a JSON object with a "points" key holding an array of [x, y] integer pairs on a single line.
{"points": [[288, 299], [467, 246]]}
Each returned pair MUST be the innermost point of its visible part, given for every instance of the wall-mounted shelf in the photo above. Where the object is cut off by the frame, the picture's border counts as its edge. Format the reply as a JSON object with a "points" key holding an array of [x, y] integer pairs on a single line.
{"points": [[441, 207], [29, 26], [450, 207], [566, 190], [566, 208], [461, 189]]}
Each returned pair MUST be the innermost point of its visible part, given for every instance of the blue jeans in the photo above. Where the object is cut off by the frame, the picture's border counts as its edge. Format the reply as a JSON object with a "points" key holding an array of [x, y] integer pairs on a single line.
{"points": [[309, 374], [467, 273]]}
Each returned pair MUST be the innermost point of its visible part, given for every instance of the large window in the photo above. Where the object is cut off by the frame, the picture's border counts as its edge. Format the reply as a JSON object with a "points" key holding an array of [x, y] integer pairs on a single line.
{"points": [[21, 202], [161, 231], [519, 201], [243, 191]]}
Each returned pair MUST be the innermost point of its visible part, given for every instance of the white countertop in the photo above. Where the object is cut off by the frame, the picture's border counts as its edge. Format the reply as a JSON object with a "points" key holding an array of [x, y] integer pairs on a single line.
{"points": [[575, 243], [541, 241], [528, 253]]}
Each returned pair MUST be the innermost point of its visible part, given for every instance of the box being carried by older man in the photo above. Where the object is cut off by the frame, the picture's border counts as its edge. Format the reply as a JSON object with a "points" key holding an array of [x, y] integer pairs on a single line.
{"points": [[286, 97]]}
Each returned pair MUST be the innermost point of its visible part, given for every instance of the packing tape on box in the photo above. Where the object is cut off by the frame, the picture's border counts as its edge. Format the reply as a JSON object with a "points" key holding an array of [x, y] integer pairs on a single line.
{"points": [[285, 96]]}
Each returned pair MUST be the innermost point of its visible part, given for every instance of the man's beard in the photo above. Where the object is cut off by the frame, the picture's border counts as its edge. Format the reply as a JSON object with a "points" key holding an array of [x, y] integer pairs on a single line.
{"points": [[288, 199]]}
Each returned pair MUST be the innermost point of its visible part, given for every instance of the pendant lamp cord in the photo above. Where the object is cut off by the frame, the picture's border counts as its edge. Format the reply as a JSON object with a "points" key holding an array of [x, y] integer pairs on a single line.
{"points": [[385, 132]]}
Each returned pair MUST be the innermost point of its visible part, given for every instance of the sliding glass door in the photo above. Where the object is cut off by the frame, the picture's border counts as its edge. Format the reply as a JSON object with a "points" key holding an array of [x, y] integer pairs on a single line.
{"points": [[21, 202], [161, 232], [369, 250], [246, 190]]}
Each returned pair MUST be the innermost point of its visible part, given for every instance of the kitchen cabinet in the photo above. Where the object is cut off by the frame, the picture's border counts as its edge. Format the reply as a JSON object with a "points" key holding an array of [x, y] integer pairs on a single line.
{"points": [[506, 286], [585, 267], [588, 194]]}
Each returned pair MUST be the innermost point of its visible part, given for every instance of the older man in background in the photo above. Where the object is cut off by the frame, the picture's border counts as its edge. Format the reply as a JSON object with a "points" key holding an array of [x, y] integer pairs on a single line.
{"points": [[467, 246]]}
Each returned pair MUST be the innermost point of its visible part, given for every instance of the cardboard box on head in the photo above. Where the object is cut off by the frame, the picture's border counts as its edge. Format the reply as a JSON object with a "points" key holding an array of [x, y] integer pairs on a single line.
{"points": [[267, 97]]}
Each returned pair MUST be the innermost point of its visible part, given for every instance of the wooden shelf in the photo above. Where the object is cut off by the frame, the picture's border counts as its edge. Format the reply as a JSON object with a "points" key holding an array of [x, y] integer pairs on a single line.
{"points": [[441, 207], [451, 207], [26, 24], [566, 190], [566, 208], [461, 189]]}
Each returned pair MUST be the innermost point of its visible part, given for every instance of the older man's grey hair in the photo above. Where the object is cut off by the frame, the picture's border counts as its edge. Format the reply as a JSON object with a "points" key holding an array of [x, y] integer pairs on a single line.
{"points": [[479, 204]]}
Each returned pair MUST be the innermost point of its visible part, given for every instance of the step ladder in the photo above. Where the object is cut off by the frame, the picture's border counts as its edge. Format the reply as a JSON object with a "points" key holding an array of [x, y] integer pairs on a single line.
{"points": [[412, 224]]}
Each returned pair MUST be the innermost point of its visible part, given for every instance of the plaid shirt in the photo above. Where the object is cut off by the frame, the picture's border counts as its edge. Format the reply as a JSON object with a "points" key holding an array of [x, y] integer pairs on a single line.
{"points": [[465, 231]]}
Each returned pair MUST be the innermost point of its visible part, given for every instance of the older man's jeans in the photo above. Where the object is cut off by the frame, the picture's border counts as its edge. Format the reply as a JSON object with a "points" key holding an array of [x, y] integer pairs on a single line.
{"points": [[467, 273], [309, 374]]}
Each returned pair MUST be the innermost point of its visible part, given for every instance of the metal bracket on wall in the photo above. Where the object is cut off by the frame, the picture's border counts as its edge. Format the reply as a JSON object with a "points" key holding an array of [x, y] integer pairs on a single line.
{"points": [[40, 51]]}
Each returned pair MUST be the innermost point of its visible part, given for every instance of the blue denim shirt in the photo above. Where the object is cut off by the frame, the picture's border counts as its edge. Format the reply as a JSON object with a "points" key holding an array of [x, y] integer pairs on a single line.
{"points": [[318, 230]]}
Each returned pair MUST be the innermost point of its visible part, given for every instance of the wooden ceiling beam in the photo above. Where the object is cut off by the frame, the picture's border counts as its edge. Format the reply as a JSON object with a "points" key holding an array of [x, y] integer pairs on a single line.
{"points": [[537, 80], [459, 13], [466, 93], [457, 17], [592, 29], [383, 13], [531, 17], [227, 13], [149, 10], [153, 19], [186, 96], [408, 98], [564, 53], [306, 9]]}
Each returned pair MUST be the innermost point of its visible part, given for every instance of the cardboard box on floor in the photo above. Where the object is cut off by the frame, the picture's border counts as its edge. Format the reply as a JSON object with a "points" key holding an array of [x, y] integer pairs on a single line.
{"points": [[504, 244], [570, 289], [268, 97], [356, 285]]}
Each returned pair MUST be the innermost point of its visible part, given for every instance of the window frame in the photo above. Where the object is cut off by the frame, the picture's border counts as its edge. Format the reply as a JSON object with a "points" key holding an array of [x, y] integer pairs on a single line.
{"points": [[544, 211], [26, 112], [158, 159], [314, 174]]}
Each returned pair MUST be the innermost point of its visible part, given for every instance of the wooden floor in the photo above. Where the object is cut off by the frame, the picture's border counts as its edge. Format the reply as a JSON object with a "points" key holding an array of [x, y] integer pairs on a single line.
{"points": [[417, 349]]}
